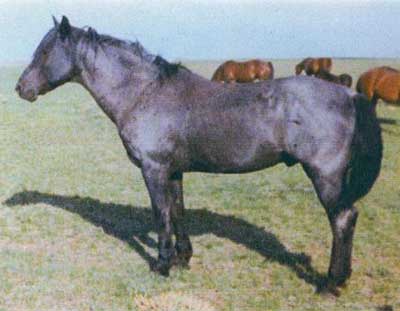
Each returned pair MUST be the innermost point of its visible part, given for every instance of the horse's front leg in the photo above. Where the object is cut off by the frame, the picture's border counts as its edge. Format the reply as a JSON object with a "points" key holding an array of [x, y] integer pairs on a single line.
{"points": [[161, 189], [183, 246]]}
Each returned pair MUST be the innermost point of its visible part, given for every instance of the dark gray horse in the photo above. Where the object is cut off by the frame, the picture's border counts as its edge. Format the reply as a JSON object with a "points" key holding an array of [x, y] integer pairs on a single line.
{"points": [[173, 121]]}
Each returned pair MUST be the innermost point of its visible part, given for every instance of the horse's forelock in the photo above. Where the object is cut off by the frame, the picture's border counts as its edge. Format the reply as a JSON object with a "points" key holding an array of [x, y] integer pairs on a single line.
{"points": [[49, 36]]}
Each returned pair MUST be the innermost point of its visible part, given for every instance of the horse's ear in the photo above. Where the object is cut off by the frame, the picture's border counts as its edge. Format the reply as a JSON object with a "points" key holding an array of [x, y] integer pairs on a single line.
{"points": [[92, 33], [56, 23], [65, 28]]}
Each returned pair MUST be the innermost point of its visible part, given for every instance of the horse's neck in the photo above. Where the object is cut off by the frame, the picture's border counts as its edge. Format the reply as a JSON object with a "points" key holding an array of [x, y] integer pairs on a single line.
{"points": [[113, 85]]}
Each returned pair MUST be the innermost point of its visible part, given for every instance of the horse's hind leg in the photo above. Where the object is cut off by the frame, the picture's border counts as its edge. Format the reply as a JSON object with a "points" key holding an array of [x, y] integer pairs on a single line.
{"points": [[183, 246], [342, 218], [343, 222]]}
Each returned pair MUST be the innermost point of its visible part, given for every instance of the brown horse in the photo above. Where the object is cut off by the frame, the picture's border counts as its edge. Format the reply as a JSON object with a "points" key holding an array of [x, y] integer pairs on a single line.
{"points": [[343, 79], [311, 66], [380, 83], [243, 72]]}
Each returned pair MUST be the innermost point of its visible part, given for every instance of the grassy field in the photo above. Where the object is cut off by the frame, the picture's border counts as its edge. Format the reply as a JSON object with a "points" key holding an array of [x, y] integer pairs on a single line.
{"points": [[76, 231]]}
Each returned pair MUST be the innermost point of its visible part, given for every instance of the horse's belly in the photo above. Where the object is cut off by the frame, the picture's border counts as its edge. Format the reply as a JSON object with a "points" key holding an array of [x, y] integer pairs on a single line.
{"points": [[254, 164], [237, 161], [389, 95]]}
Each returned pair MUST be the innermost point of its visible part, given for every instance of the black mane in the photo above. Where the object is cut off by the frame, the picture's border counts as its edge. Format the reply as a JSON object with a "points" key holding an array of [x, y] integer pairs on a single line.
{"points": [[167, 69], [96, 39]]}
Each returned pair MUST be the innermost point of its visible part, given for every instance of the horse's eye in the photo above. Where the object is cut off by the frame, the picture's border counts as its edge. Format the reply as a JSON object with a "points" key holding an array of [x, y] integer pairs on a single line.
{"points": [[45, 52]]}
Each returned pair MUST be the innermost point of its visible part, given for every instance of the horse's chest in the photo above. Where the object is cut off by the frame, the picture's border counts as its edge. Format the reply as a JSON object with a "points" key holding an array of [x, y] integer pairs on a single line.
{"points": [[149, 137]]}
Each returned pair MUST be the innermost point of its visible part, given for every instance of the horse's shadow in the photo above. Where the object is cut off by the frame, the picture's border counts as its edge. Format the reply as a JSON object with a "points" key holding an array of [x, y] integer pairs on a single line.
{"points": [[133, 225], [388, 121]]}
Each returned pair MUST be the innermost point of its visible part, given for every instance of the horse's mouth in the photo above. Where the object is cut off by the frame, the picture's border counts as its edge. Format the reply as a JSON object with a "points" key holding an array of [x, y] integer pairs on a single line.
{"points": [[30, 95], [32, 99]]}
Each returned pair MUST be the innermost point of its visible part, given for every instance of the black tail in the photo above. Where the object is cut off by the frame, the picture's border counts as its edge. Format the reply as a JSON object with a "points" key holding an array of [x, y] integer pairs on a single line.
{"points": [[365, 163], [271, 77], [374, 102], [358, 87]]}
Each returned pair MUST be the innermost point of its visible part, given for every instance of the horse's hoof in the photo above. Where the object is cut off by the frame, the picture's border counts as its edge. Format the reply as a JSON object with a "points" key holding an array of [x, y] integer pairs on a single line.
{"points": [[183, 264], [161, 268], [340, 281], [328, 288], [181, 261]]}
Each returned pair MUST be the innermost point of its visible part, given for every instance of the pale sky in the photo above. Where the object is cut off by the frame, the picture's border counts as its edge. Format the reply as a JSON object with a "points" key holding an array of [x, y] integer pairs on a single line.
{"points": [[218, 29]]}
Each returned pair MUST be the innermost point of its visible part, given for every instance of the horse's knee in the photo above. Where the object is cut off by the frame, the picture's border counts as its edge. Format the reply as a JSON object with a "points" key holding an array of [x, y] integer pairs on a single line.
{"points": [[344, 221]]}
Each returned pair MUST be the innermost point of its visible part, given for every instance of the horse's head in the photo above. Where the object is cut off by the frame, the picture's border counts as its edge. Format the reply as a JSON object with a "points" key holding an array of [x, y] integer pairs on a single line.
{"points": [[298, 69], [52, 64]]}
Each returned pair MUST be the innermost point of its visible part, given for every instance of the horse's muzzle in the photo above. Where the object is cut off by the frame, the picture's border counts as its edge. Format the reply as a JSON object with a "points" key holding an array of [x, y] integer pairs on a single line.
{"points": [[25, 93]]}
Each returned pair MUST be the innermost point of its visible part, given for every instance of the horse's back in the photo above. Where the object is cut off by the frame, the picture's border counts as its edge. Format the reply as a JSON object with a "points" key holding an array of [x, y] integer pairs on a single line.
{"points": [[308, 101], [318, 93], [376, 74]]}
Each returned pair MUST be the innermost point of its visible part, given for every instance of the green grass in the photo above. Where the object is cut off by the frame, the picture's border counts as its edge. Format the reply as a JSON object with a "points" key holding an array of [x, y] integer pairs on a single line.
{"points": [[76, 231]]}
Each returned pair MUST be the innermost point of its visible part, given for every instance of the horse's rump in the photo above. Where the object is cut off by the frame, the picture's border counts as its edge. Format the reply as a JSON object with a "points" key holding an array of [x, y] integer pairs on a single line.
{"points": [[380, 82]]}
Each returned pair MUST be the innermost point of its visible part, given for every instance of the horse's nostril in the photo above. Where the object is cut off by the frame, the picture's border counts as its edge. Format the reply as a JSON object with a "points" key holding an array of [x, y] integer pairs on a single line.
{"points": [[18, 88]]}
